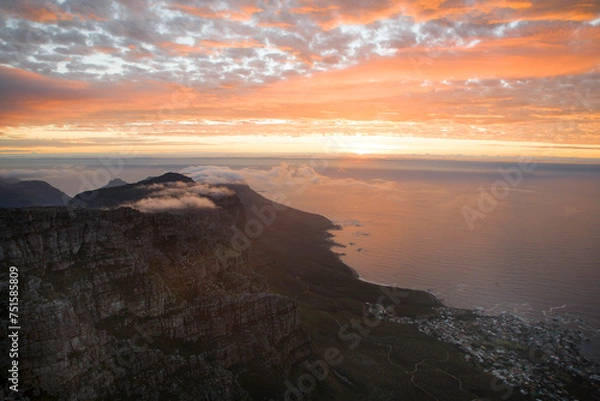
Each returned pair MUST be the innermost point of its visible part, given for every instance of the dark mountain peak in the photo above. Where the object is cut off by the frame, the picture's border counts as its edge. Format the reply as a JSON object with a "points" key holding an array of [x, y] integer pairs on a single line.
{"points": [[128, 194], [17, 193], [167, 177], [116, 182]]}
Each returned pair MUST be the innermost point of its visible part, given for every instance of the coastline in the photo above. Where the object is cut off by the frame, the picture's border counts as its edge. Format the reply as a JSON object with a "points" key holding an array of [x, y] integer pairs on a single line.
{"points": [[532, 358], [333, 244], [513, 352], [589, 347]]}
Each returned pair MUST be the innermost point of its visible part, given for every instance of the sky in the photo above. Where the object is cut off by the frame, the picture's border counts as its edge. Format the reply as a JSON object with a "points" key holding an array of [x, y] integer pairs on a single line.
{"points": [[284, 77]]}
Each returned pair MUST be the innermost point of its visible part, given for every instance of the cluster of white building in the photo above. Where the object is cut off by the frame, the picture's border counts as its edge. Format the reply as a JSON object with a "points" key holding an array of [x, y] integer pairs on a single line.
{"points": [[536, 359]]}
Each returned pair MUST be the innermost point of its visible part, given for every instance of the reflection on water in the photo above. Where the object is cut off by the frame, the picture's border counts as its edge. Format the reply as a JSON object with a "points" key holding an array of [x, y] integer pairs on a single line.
{"points": [[535, 253]]}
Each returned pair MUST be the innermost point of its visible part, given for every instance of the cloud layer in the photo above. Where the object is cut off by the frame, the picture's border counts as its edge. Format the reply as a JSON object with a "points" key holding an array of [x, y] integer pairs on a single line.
{"points": [[180, 196], [150, 205], [143, 71], [214, 175]]}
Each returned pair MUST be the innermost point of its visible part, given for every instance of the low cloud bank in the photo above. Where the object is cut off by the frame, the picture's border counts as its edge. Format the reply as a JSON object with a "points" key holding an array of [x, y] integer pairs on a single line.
{"points": [[180, 196], [150, 205], [180, 189], [285, 177], [214, 175], [280, 178]]}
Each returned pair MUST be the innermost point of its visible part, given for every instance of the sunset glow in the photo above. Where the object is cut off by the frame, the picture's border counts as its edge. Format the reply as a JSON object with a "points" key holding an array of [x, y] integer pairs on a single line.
{"points": [[472, 78]]}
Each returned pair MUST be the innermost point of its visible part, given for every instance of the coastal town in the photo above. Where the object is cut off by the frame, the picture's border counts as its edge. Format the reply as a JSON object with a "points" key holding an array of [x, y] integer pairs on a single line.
{"points": [[541, 360]]}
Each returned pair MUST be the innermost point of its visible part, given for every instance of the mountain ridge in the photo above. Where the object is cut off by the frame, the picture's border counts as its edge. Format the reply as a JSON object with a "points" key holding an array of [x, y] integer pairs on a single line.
{"points": [[17, 193], [115, 182], [115, 196]]}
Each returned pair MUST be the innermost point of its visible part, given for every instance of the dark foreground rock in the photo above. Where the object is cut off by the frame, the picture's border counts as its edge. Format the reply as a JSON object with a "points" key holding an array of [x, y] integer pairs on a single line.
{"points": [[124, 305]]}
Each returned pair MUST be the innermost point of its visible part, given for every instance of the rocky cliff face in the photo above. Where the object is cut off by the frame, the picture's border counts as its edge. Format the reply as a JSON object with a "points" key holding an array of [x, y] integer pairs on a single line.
{"points": [[119, 304]]}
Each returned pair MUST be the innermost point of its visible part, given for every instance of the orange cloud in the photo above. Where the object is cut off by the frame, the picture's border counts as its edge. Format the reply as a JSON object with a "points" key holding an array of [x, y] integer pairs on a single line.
{"points": [[409, 86], [33, 99], [106, 49], [347, 13], [274, 24], [394, 76], [236, 45], [315, 10], [504, 11], [179, 49], [244, 14], [48, 12]]}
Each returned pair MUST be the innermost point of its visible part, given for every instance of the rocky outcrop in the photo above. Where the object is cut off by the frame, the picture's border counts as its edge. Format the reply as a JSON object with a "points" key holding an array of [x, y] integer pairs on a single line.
{"points": [[118, 304], [115, 182]]}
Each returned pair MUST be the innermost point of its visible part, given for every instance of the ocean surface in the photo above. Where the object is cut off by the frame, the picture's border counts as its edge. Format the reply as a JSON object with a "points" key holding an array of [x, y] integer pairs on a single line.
{"points": [[492, 236], [535, 251], [505, 236]]}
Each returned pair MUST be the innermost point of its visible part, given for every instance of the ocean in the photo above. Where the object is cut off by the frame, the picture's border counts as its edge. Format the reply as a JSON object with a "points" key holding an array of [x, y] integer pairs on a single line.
{"points": [[533, 250], [509, 237]]}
